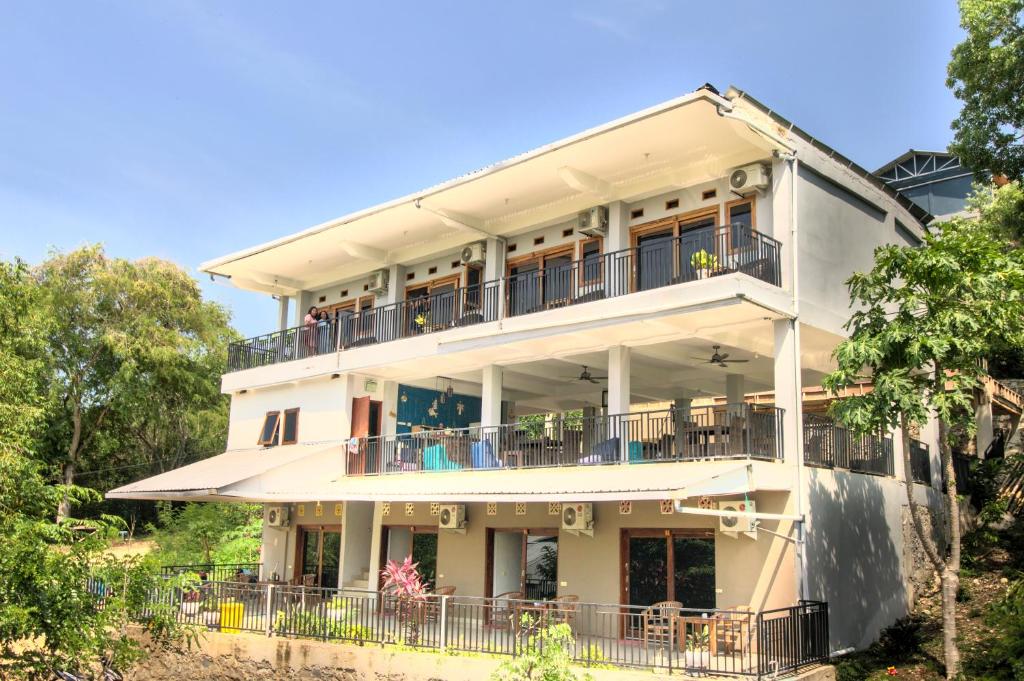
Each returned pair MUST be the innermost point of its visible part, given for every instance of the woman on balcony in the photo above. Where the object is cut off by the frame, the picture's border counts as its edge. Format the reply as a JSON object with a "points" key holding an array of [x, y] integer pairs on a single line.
{"points": [[309, 329]]}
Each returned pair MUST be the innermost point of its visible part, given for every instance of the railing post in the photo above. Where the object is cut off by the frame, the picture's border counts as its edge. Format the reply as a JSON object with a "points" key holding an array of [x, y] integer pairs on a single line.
{"points": [[443, 620], [269, 625]]}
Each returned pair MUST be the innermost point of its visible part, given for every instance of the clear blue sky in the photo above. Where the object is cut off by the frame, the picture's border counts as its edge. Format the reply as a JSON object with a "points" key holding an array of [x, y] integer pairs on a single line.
{"points": [[188, 130]]}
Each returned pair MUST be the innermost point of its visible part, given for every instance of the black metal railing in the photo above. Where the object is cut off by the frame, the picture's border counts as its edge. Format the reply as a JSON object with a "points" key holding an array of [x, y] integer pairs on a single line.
{"points": [[793, 637], [831, 445], [215, 572], [696, 254], [722, 431], [705, 640], [920, 462]]}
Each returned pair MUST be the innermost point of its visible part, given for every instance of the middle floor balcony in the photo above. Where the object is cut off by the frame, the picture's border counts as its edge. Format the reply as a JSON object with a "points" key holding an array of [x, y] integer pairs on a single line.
{"points": [[732, 431]]}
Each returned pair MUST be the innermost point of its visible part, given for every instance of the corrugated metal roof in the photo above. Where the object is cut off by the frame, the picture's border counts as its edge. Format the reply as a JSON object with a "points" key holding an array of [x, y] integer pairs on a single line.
{"points": [[570, 483], [222, 470]]}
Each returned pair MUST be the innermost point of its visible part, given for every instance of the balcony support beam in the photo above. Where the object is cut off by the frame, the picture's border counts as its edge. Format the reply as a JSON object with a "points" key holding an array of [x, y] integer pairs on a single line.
{"points": [[618, 227], [787, 385], [303, 299], [282, 312], [619, 391], [490, 396]]}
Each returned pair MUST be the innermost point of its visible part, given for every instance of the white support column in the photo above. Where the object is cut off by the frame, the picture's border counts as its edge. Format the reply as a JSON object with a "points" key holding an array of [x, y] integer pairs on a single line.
{"points": [[618, 227], [782, 216], [389, 422], [303, 299], [787, 386], [282, 312], [490, 396], [589, 419], [494, 270], [618, 394], [735, 388], [375, 548], [396, 286]]}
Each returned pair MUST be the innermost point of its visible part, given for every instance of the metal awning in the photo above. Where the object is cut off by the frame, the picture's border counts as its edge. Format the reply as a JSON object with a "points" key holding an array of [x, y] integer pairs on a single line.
{"points": [[654, 481], [226, 476]]}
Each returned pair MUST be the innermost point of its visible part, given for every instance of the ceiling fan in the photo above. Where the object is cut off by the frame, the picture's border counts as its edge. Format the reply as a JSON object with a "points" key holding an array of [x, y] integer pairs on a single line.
{"points": [[721, 359], [585, 375]]}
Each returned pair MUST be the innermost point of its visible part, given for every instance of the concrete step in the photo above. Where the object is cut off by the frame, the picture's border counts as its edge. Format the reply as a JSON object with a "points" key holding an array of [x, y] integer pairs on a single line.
{"points": [[358, 584]]}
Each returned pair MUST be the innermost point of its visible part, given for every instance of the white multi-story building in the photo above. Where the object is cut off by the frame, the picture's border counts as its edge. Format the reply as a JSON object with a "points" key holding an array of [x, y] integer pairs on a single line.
{"points": [[589, 370]]}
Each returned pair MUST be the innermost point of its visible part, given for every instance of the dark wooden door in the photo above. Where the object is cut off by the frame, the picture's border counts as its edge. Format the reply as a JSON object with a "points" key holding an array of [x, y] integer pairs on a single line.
{"points": [[360, 428]]}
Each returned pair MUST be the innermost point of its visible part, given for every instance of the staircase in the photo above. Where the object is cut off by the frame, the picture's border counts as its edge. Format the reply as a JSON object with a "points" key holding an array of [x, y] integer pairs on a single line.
{"points": [[362, 583]]}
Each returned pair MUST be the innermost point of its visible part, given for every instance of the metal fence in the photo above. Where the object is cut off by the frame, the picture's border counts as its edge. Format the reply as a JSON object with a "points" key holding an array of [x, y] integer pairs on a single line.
{"points": [[697, 254], [215, 572], [723, 431], [830, 445], [663, 636]]}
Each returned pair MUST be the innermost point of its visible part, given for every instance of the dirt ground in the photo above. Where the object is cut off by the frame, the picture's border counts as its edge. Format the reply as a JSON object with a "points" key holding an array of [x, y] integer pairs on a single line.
{"points": [[131, 548]]}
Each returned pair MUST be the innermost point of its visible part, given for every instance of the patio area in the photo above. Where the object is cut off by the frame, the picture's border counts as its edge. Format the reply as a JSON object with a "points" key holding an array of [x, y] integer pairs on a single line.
{"points": [[663, 636]]}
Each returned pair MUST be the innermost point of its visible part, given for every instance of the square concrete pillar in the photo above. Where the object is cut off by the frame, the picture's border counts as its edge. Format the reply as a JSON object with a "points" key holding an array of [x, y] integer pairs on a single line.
{"points": [[682, 418], [396, 286], [618, 227], [788, 387], [735, 388], [983, 419], [389, 407], [618, 395], [490, 396], [303, 299], [282, 312]]}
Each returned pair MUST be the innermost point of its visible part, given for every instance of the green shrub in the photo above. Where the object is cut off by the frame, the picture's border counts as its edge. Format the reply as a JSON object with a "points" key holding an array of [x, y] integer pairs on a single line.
{"points": [[1001, 655]]}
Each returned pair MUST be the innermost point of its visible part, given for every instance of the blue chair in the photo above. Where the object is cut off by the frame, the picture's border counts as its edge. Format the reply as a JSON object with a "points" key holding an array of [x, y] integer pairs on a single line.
{"points": [[435, 458], [482, 455]]}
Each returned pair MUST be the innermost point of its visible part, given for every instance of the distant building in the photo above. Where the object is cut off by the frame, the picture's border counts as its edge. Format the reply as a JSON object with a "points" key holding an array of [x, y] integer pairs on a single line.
{"points": [[934, 180]]}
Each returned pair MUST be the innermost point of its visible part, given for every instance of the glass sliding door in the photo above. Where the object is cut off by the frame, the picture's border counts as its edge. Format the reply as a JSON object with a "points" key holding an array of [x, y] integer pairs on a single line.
{"points": [[319, 550], [694, 578], [648, 571], [669, 565]]}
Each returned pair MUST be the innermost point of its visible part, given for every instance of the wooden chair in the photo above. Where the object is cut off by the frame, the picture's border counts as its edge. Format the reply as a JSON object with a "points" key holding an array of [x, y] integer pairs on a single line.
{"points": [[504, 609], [732, 630], [659, 621], [564, 609]]}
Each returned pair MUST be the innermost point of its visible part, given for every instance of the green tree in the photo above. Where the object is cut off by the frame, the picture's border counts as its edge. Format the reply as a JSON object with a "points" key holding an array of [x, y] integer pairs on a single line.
{"points": [[987, 74], [134, 357], [208, 532], [50, 618], [926, 319]]}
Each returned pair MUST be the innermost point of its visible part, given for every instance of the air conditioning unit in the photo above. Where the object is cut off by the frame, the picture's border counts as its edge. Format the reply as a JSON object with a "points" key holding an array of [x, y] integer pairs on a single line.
{"points": [[578, 518], [749, 178], [452, 517], [474, 254], [593, 222], [377, 284], [735, 524], [277, 516]]}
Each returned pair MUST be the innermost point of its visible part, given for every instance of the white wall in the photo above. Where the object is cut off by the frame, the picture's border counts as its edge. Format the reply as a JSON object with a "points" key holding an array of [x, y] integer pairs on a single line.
{"points": [[323, 405], [508, 559]]}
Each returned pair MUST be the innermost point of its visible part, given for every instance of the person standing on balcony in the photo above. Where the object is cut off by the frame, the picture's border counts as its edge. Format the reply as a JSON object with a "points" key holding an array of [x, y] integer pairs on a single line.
{"points": [[323, 333], [309, 329]]}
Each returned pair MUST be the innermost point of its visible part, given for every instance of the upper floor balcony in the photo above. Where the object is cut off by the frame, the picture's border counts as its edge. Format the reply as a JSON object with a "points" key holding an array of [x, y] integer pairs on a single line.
{"points": [[539, 285]]}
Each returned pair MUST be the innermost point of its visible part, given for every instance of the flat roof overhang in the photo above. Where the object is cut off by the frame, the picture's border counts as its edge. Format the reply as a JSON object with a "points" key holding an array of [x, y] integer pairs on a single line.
{"points": [[675, 144]]}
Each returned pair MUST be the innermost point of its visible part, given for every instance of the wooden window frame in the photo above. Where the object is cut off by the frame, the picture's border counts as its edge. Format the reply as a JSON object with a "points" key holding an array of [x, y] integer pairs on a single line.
{"points": [[678, 224], [284, 419], [300, 531], [727, 224], [272, 441], [627, 533], [542, 255], [489, 548], [583, 281]]}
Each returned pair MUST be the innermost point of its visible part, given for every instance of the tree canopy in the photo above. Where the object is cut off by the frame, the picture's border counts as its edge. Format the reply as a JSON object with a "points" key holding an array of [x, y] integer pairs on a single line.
{"points": [[987, 74]]}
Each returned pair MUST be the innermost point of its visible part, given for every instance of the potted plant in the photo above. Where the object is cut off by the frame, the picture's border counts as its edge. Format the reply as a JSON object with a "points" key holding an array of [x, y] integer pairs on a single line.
{"points": [[703, 263]]}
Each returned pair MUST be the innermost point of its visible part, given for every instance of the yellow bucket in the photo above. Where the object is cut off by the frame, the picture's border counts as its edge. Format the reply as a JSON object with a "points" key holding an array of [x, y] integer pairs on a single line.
{"points": [[231, 617]]}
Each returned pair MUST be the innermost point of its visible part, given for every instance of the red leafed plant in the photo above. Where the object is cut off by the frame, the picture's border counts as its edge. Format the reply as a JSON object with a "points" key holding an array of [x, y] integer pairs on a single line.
{"points": [[404, 583]]}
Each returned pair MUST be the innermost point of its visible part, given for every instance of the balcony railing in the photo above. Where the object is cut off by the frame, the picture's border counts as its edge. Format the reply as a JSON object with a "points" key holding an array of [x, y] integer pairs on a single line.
{"points": [[701, 641], [215, 572], [726, 431], [920, 462], [830, 445], [696, 254]]}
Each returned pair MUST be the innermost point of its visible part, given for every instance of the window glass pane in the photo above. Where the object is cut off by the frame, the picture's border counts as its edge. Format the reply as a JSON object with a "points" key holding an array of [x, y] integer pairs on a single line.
{"points": [[331, 560], [473, 276], [648, 569], [695, 572], [311, 553], [291, 426], [269, 433], [541, 566], [424, 554]]}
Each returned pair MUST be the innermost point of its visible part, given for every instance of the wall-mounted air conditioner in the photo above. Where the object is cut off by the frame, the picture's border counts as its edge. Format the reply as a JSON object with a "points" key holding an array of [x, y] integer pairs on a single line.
{"points": [[474, 254], [749, 178], [277, 516], [593, 222], [578, 518], [377, 283], [452, 517], [734, 524]]}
